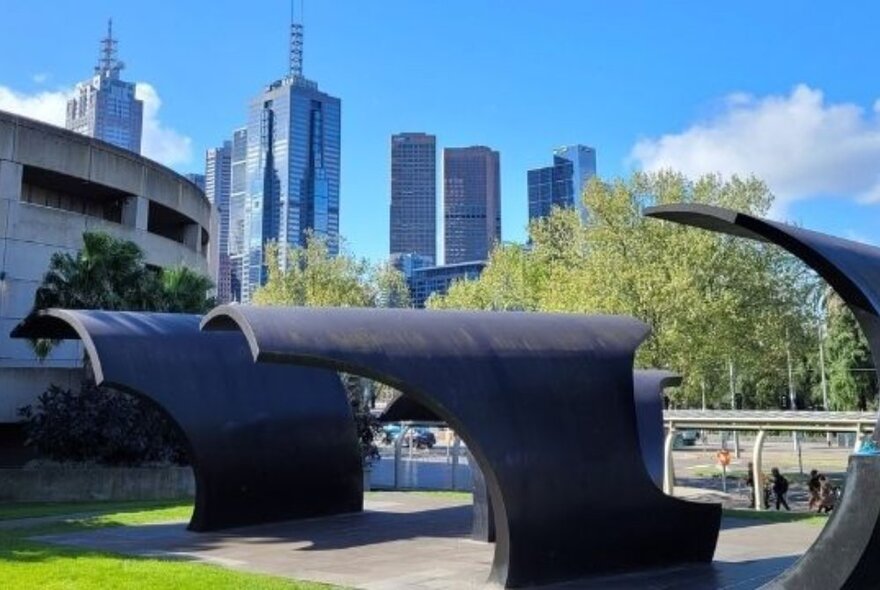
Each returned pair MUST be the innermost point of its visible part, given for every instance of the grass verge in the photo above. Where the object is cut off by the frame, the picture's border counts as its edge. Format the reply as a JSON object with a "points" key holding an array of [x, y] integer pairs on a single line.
{"points": [[28, 563]]}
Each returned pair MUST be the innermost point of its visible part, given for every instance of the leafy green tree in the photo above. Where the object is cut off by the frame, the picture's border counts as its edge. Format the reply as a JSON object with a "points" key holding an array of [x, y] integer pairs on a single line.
{"points": [[98, 423], [852, 381]]}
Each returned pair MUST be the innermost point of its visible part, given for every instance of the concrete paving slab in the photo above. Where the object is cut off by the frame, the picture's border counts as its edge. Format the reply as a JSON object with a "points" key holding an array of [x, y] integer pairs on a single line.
{"points": [[420, 542]]}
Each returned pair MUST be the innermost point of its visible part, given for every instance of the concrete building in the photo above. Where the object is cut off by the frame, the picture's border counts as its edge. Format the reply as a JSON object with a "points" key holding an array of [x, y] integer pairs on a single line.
{"points": [[55, 185], [425, 281], [218, 179], [293, 159], [237, 216], [561, 184], [104, 106], [414, 195], [471, 203]]}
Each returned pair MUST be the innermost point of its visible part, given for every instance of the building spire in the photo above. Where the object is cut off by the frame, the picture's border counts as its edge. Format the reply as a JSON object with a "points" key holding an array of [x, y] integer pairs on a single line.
{"points": [[108, 64], [296, 42]]}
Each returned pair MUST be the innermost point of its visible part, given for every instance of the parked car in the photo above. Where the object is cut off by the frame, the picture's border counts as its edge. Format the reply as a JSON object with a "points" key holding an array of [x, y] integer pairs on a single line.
{"points": [[422, 438], [687, 438]]}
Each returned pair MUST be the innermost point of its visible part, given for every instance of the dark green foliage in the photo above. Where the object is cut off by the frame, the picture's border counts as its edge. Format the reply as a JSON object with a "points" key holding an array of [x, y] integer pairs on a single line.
{"points": [[852, 382], [100, 425]]}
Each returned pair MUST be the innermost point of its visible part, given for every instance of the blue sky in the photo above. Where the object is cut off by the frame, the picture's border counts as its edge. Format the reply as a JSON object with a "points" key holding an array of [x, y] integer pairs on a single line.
{"points": [[781, 89]]}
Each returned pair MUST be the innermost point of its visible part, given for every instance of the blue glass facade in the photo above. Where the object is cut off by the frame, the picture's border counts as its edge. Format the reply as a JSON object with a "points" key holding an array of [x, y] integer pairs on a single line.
{"points": [[292, 172], [424, 282], [561, 184]]}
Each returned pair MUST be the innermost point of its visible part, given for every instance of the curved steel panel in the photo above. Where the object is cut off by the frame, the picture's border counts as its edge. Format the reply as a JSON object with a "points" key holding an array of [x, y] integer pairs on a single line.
{"points": [[545, 404], [648, 386], [267, 442], [853, 270], [648, 390]]}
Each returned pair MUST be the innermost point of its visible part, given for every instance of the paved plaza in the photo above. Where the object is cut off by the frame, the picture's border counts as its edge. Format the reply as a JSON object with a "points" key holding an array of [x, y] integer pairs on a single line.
{"points": [[420, 541]]}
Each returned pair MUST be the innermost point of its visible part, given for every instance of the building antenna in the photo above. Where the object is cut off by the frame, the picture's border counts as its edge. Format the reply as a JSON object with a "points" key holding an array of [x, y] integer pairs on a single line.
{"points": [[107, 62], [296, 41]]}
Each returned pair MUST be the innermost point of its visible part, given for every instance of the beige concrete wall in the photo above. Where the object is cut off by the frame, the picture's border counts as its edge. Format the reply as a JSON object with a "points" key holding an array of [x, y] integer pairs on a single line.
{"points": [[30, 234]]}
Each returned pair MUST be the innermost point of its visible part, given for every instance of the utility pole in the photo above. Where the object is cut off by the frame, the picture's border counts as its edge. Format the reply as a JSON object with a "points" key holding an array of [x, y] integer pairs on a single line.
{"points": [[824, 381], [793, 401], [733, 406]]}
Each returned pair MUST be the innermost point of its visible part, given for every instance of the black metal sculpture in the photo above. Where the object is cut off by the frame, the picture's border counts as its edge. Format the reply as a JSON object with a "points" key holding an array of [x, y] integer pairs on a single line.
{"points": [[648, 386], [648, 390], [545, 405], [266, 442], [847, 552]]}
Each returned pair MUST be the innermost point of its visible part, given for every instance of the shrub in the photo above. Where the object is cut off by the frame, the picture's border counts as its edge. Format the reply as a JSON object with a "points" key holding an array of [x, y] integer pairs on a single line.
{"points": [[97, 424]]}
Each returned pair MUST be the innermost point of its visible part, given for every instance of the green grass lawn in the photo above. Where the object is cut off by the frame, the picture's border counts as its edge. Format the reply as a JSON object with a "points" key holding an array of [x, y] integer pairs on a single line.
{"points": [[25, 563]]}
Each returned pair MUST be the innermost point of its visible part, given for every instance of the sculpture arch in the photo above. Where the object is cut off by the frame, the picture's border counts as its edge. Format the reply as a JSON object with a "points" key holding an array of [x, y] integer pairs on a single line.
{"points": [[266, 443], [847, 552], [544, 403]]}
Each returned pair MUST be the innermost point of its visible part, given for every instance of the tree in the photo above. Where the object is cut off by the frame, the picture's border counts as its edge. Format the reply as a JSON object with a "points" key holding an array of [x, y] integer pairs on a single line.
{"points": [[852, 381], [711, 300], [98, 423], [111, 274]]}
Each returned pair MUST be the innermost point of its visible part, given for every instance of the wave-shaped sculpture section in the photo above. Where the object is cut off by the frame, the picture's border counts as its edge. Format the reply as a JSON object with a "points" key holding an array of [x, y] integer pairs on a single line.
{"points": [[266, 442], [545, 405], [847, 552]]}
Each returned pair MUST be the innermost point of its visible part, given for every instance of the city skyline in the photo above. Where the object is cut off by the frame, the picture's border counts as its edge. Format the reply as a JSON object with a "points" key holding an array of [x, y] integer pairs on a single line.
{"points": [[643, 102]]}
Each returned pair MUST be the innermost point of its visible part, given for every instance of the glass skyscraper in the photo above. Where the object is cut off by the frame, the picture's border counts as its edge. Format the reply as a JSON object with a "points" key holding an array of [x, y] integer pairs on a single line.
{"points": [[413, 195], [237, 217], [105, 106], [218, 172], [293, 158], [561, 184], [471, 203]]}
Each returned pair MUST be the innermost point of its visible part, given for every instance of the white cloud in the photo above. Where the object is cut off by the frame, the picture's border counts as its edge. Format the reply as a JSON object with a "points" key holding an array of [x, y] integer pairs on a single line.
{"points": [[800, 144], [50, 107], [159, 142], [40, 77]]}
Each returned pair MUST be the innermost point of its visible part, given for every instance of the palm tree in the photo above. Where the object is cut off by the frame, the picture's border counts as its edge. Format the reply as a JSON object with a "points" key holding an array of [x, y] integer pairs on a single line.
{"points": [[184, 291], [109, 273]]}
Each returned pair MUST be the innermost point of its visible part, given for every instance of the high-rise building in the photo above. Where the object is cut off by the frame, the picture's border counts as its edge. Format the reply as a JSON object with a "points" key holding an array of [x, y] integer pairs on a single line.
{"points": [[237, 216], [471, 203], [218, 172], [293, 157], [426, 281], [105, 106], [414, 195], [197, 179], [561, 184]]}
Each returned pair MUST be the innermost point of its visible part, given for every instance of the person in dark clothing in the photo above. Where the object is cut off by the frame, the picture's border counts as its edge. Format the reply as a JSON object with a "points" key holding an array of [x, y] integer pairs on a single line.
{"points": [[750, 481], [780, 488], [813, 487]]}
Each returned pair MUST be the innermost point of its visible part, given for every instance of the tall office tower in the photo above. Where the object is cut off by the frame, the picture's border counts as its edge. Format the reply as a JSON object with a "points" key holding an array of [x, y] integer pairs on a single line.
{"points": [[471, 203], [197, 179], [237, 217], [413, 195], [218, 171], [105, 106], [293, 157], [561, 184]]}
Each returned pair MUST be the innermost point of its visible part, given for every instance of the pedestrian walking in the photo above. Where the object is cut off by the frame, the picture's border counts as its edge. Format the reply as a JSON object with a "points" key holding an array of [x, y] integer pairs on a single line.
{"points": [[780, 488], [813, 486]]}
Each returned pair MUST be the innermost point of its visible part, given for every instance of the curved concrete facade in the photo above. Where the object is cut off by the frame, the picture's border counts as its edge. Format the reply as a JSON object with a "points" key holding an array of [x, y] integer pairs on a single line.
{"points": [[56, 184]]}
